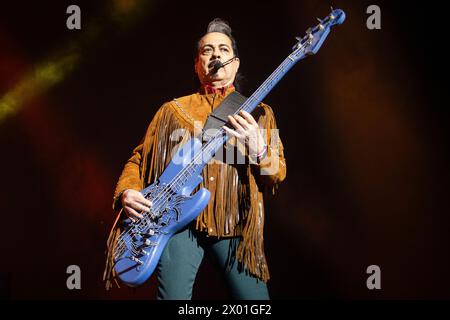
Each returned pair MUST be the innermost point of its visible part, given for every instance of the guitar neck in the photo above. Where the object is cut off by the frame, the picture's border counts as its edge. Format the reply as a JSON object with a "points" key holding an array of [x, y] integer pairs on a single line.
{"points": [[307, 45], [252, 102], [211, 147]]}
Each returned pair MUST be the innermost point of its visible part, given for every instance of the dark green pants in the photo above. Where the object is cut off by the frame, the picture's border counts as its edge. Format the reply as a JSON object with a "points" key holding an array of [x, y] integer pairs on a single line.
{"points": [[181, 260]]}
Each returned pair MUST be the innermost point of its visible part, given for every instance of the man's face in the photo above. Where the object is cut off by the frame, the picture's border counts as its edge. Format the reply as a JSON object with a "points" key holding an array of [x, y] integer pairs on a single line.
{"points": [[215, 46]]}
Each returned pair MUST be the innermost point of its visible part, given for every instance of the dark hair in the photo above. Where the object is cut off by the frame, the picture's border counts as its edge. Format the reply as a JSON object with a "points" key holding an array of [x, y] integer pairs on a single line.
{"points": [[222, 26]]}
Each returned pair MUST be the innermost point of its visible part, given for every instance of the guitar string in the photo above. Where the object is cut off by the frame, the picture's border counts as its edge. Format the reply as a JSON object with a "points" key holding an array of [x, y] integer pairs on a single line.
{"points": [[218, 134], [302, 47], [180, 176], [212, 144]]}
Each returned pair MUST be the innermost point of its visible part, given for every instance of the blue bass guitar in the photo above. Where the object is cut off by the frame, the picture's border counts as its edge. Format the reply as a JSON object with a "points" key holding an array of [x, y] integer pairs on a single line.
{"points": [[141, 243]]}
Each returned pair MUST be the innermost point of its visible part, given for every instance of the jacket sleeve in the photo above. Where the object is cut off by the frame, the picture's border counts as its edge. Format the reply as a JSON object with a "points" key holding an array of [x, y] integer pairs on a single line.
{"points": [[272, 168], [130, 177]]}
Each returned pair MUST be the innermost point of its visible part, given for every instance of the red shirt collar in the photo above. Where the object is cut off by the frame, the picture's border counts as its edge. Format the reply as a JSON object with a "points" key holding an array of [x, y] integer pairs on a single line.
{"points": [[207, 89]]}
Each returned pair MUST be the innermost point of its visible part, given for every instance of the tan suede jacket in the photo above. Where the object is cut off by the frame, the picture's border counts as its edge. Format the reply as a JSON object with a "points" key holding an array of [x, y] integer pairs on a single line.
{"points": [[236, 205]]}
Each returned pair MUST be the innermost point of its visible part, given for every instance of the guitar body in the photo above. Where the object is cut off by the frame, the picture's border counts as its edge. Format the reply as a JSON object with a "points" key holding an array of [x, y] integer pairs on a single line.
{"points": [[179, 210]]}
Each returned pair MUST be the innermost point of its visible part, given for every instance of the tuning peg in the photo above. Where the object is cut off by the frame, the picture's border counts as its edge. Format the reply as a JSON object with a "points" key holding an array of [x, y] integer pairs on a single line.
{"points": [[332, 17], [320, 24], [298, 44], [309, 33]]}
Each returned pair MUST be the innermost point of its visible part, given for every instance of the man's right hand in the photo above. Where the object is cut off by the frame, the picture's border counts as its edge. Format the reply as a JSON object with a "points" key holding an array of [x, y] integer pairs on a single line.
{"points": [[134, 204]]}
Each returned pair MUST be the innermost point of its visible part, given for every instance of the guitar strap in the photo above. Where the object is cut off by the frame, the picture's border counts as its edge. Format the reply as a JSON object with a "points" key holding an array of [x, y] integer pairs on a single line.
{"points": [[218, 118]]}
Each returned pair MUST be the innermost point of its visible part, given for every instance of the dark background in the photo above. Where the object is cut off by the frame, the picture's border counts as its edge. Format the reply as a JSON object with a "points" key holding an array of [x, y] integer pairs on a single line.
{"points": [[363, 124]]}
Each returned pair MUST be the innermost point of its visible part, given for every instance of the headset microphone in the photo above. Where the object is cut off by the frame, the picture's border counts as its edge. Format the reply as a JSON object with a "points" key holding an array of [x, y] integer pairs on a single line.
{"points": [[216, 65]]}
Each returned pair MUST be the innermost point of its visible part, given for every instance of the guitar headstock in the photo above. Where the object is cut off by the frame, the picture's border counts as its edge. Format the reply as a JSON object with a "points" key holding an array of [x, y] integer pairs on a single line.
{"points": [[314, 37]]}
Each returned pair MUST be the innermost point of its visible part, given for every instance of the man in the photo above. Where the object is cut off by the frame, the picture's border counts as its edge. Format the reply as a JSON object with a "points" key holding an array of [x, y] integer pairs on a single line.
{"points": [[230, 229]]}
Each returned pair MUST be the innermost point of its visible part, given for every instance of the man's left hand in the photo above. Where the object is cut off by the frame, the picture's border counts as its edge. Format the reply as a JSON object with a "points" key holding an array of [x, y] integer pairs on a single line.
{"points": [[246, 127]]}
